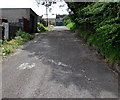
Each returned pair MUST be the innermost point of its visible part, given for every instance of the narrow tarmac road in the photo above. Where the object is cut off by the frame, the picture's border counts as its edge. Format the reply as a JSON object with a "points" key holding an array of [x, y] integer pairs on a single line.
{"points": [[57, 64]]}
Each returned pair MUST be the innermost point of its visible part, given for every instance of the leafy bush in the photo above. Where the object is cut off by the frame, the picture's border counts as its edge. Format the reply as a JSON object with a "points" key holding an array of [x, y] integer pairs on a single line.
{"points": [[98, 23], [41, 27], [71, 25], [21, 37], [24, 35], [6, 50]]}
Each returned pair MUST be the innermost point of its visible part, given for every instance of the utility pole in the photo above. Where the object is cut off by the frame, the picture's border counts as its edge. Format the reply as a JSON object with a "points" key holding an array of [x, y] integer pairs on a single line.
{"points": [[47, 13], [46, 3]]}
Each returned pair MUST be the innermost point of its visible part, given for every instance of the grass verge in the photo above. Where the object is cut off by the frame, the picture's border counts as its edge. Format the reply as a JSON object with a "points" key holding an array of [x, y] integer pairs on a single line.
{"points": [[8, 47], [110, 53]]}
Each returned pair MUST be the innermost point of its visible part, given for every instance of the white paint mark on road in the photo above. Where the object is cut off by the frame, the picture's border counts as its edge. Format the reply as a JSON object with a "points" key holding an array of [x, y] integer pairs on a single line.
{"points": [[36, 57], [62, 64], [26, 66], [44, 42], [35, 41], [83, 71], [52, 61], [58, 63]]}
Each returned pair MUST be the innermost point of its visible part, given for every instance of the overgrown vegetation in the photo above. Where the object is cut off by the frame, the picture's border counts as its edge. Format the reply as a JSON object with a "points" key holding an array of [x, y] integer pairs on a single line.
{"points": [[9, 46], [70, 25], [42, 28], [99, 24]]}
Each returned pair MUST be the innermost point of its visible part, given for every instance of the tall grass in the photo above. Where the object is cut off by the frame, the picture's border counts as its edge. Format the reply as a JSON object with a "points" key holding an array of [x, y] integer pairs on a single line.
{"points": [[8, 47]]}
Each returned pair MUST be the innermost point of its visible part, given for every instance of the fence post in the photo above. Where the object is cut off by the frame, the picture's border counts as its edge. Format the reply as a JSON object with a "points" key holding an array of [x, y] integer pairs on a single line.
{"points": [[0, 32], [6, 31]]}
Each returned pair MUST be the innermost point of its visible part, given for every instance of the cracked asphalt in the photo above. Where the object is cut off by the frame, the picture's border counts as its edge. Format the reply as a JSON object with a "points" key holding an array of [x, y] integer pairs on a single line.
{"points": [[57, 64]]}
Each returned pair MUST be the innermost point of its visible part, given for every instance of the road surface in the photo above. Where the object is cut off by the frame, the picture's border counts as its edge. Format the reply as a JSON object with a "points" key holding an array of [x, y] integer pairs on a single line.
{"points": [[57, 64]]}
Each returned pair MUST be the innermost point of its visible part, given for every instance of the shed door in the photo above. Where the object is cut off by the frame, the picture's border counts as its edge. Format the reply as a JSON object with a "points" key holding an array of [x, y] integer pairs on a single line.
{"points": [[32, 23]]}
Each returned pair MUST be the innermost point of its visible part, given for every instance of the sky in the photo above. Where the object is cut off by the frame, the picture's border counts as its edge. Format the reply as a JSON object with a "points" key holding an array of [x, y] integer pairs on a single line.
{"points": [[40, 10]]}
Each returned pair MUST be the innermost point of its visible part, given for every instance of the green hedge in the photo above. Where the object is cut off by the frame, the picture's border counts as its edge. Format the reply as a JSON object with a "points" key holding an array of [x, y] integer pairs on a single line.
{"points": [[98, 23]]}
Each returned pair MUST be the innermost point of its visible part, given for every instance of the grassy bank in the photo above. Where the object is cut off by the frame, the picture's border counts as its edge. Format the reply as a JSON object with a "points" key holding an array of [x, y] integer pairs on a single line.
{"points": [[9, 47], [99, 24], [100, 42]]}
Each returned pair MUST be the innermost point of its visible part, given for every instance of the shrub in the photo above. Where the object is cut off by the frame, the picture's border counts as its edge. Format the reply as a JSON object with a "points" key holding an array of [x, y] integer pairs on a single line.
{"points": [[41, 27], [24, 35], [99, 24], [71, 25], [21, 37], [6, 50]]}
